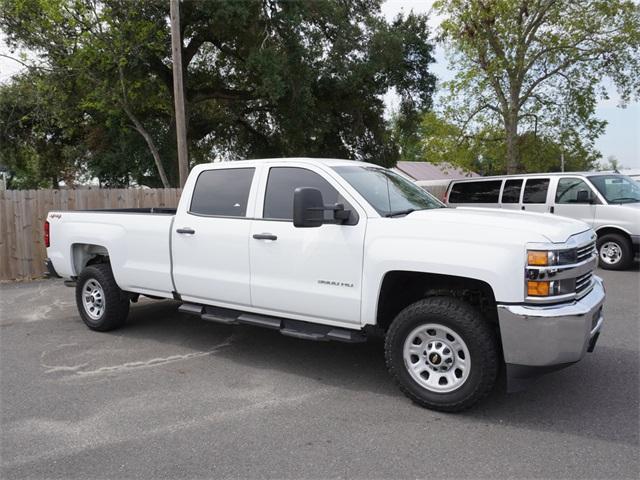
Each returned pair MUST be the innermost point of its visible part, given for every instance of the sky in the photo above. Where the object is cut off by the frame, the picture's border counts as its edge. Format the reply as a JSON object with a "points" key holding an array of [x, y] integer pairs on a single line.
{"points": [[621, 138]]}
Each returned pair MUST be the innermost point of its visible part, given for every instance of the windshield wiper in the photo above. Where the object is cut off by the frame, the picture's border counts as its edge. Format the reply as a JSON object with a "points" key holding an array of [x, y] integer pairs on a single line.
{"points": [[625, 200], [397, 213]]}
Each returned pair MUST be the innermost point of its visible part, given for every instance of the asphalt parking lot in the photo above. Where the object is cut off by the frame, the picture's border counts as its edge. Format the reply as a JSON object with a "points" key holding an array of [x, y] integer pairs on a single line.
{"points": [[173, 396]]}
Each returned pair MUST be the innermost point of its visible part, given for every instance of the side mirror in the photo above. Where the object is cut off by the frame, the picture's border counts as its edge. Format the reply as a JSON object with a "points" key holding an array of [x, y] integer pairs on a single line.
{"points": [[308, 208], [583, 196]]}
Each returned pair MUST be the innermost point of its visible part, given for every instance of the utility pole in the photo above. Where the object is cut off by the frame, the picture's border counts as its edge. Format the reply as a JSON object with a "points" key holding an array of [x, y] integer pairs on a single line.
{"points": [[178, 91]]}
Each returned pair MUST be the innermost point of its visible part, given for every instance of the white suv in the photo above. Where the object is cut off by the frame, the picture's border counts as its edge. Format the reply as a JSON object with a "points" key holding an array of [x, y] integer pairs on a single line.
{"points": [[607, 202]]}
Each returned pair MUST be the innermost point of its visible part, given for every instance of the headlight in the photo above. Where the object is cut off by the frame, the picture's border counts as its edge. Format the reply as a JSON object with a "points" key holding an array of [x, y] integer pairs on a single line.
{"points": [[547, 258], [560, 272], [553, 288], [540, 282], [538, 289]]}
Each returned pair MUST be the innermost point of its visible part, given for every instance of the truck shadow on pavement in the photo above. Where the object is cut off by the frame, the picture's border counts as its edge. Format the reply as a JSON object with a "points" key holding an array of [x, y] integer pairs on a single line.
{"points": [[591, 399]]}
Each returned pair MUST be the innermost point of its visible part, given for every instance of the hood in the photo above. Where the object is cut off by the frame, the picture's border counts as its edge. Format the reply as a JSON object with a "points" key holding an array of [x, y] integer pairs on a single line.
{"points": [[633, 206], [555, 229]]}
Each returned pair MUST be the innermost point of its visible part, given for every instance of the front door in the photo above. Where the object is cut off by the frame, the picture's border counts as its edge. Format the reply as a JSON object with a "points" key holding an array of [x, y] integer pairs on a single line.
{"points": [[210, 240], [305, 273], [570, 202]]}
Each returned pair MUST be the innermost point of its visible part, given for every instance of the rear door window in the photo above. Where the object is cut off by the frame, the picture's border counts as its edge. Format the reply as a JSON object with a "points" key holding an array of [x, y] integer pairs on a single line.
{"points": [[511, 191], [535, 190], [222, 192], [486, 191]]}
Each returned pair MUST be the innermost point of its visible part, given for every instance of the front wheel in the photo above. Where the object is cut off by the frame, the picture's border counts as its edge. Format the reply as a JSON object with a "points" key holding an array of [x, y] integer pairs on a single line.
{"points": [[101, 303], [442, 354], [615, 252]]}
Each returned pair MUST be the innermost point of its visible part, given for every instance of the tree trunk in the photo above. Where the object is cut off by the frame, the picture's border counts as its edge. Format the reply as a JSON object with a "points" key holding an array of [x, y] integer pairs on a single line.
{"points": [[142, 131], [511, 131], [152, 147]]}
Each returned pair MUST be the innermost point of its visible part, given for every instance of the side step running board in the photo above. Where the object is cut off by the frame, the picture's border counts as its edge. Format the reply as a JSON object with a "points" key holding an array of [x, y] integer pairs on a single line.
{"points": [[291, 328]]}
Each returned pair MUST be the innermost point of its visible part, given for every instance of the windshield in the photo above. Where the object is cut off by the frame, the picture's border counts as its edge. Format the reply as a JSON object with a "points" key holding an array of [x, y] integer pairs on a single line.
{"points": [[617, 188], [389, 193]]}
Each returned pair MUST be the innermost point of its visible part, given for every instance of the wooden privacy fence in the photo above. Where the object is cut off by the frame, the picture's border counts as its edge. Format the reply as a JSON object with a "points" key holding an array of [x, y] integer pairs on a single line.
{"points": [[23, 212]]}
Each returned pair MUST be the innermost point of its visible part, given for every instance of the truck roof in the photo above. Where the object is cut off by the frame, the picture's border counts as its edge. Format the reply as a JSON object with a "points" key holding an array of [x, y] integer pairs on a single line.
{"points": [[331, 162]]}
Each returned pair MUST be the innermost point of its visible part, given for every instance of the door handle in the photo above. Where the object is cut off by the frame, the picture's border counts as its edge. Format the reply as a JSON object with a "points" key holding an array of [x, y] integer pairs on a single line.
{"points": [[552, 209], [265, 236], [187, 230], [523, 207]]}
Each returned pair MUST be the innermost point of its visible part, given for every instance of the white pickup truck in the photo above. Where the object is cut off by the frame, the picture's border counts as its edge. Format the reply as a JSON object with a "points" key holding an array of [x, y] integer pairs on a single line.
{"points": [[339, 250]]}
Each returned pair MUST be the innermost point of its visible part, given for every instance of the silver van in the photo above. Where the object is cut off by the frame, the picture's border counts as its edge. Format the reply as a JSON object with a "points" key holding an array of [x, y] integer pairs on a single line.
{"points": [[608, 202]]}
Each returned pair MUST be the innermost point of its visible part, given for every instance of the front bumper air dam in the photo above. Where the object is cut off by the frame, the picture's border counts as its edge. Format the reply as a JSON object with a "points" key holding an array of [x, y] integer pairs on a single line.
{"points": [[540, 339]]}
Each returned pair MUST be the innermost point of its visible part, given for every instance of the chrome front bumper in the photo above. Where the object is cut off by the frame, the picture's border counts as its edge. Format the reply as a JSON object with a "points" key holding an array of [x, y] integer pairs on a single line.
{"points": [[553, 335]]}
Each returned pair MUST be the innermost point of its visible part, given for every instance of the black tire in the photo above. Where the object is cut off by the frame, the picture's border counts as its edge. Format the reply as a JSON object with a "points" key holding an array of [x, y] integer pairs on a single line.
{"points": [[114, 304], [465, 322], [623, 246]]}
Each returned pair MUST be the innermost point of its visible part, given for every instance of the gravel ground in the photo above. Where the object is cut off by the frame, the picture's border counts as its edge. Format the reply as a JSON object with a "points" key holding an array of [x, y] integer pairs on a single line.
{"points": [[173, 396]]}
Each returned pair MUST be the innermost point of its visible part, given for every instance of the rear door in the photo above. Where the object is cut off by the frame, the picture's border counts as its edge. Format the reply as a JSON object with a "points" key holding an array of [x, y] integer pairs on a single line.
{"points": [[210, 239], [535, 197], [567, 203]]}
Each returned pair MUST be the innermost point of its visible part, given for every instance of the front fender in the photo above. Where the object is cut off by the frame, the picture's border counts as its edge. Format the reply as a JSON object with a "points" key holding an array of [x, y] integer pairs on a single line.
{"points": [[500, 265]]}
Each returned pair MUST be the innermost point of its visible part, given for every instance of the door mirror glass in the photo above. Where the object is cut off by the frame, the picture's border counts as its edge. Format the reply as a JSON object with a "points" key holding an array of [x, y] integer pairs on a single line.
{"points": [[583, 196], [308, 207]]}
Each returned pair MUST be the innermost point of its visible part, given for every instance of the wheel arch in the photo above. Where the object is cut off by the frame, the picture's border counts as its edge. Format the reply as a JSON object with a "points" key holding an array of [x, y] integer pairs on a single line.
{"points": [[400, 289], [83, 254], [612, 229]]}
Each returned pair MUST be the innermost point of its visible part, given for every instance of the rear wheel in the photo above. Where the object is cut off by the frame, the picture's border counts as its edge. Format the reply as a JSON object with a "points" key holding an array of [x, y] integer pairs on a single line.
{"points": [[101, 303], [442, 354], [614, 252]]}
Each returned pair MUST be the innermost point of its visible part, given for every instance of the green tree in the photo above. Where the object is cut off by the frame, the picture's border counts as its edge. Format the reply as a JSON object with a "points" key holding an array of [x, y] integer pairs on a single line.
{"points": [[274, 78], [34, 143], [48, 136], [484, 150], [522, 60]]}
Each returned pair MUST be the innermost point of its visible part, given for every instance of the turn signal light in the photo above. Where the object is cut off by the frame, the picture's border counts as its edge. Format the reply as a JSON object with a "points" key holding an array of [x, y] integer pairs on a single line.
{"points": [[538, 289], [537, 258]]}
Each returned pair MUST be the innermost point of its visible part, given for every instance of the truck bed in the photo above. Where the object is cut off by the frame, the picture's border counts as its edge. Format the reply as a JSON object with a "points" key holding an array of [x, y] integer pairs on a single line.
{"points": [[136, 239]]}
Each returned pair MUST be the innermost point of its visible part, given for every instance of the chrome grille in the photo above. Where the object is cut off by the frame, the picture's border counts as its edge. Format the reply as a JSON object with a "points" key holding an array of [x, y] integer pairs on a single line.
{"points": [[584, 283], [585, 252]]}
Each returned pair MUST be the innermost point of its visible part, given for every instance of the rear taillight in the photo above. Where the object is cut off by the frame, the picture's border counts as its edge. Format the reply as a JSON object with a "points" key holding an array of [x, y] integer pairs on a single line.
{"points": [[47, 239]]}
